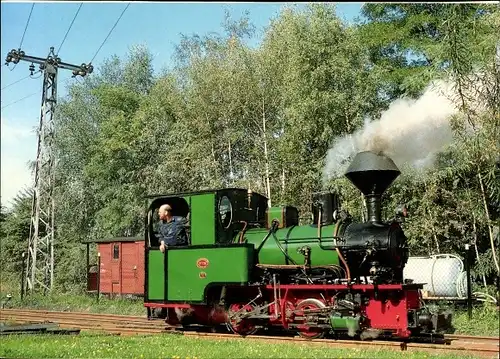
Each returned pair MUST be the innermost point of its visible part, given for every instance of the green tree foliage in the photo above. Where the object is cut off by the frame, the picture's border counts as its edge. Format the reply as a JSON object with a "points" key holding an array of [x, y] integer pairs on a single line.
{"points": [[325, 89], [15, 230], [409, 43], [263, 118], [459, 197]]}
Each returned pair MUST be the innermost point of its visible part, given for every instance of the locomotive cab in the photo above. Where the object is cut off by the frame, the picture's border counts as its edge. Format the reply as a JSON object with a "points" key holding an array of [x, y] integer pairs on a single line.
{"points": [[180, 208], [234, 209], [189, 273]]}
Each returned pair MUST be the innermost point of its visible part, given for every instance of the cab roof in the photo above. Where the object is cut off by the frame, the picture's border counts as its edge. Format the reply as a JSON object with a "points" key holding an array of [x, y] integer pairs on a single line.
{"points": [[182, 194]]}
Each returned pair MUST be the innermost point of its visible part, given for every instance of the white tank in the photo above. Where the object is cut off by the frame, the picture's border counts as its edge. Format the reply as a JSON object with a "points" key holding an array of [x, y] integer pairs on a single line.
{"points": [[443, 275]]}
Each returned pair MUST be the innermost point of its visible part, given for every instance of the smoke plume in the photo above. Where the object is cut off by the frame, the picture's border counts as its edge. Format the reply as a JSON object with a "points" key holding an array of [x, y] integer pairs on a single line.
{"points": [[410, 132]]}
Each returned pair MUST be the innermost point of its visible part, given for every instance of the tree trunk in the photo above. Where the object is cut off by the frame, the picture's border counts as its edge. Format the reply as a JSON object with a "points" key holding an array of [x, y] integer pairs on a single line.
{"points": [[437, 243], [216, 171], [283, 184], [347, 121], [266, 156], [475, 245], [433, 229], [230, 163], [214, 157], [490, 230]]}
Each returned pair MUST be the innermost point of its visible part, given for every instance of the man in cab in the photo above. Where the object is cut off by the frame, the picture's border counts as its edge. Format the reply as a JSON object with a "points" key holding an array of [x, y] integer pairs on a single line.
{"points": [[172, 228]]}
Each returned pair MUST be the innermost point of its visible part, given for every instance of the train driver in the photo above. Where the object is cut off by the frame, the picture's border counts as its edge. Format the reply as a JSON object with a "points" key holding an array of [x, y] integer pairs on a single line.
{"points": [[172, 228]]}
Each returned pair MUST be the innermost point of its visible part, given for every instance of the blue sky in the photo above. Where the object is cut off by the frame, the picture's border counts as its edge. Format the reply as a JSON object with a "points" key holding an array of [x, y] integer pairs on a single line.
{"points": [[156, 25]]}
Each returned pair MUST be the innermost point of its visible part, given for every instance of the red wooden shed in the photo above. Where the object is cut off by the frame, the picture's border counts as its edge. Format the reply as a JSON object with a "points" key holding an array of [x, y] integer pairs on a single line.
{"points": [[121, 263]]}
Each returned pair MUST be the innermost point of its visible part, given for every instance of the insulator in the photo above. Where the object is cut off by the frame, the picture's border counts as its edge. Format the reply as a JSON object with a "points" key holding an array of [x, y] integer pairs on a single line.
{"points": [[32, 68]]}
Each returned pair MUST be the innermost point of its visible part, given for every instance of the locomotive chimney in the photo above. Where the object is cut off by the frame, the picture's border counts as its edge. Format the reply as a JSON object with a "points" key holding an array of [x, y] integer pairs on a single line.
{"points": [[372, 174]]}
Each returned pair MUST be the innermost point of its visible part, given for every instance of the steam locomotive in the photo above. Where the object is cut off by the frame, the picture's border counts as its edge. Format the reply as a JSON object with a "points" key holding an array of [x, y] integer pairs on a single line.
{"points": [[248, 266]]}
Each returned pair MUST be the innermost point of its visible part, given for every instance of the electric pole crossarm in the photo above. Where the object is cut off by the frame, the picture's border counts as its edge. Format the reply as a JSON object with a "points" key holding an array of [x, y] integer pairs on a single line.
{"points": [[64, 65], [61, 65], [17, 55]]}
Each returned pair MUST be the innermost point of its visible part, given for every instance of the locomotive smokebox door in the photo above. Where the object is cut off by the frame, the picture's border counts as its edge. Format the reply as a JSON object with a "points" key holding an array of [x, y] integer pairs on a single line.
{"points": [[326, 203]]}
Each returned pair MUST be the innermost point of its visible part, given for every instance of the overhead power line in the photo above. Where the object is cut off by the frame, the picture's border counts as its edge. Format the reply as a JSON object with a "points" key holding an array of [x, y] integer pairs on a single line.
{"points": [[24, 98], [67, 32], [26, 27], [110, 31], [24, 78], [15, 82], [24, 33]]}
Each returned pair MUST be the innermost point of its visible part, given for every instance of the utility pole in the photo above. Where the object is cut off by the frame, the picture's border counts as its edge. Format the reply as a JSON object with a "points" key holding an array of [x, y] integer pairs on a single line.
{"points": [[40, 261]]}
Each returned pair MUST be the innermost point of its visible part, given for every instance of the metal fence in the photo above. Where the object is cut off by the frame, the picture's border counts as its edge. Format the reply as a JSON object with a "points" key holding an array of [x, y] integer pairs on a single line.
{"points": [[447, 277]]}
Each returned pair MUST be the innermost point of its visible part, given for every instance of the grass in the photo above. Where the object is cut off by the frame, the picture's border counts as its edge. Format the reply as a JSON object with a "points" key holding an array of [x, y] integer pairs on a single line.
{"points": [[76, 302], [176, 347], [80, 303], [484, 321]]}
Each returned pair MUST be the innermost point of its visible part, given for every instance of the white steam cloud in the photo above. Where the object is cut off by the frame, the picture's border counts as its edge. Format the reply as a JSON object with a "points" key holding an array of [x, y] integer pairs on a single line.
{"points": [[410, 132]]}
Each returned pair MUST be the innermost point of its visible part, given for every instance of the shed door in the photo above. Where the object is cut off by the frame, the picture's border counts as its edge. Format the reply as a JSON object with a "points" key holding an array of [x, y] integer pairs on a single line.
{"points": [[116, 250], [130, 268]]}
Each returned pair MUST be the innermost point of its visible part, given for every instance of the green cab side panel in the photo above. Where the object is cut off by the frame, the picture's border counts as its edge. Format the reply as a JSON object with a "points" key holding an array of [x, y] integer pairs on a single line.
{"points": [[156, 275], [203, 219], [191, 270]]}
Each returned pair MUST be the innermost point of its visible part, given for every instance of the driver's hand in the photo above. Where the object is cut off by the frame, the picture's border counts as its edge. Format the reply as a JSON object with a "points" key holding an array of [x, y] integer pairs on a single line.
{"points": [[163, 247]]}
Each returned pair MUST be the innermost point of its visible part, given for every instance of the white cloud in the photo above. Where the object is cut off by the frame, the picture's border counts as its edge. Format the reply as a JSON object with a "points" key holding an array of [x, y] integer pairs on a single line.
{"points": [[18, 148]]}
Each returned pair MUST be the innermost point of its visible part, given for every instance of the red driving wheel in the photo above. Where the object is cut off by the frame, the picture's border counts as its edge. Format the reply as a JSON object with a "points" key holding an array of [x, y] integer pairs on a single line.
{"points": [[240, 326], [305, 330]]}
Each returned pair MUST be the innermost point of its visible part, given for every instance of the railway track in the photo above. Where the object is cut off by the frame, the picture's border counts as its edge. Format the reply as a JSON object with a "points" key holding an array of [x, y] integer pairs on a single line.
{"points": [[109, 323], [481, 346]]}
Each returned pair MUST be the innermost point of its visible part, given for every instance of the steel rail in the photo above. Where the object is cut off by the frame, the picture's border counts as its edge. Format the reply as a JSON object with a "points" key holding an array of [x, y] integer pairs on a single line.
{"points": [[482, 346]]}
